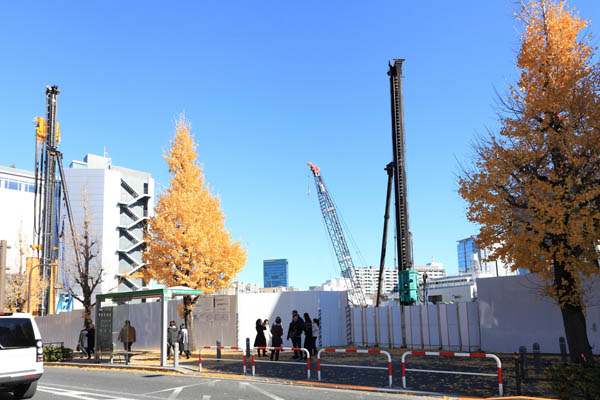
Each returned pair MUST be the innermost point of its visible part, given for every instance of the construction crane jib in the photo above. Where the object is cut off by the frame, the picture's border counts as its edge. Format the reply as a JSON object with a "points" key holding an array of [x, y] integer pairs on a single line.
{"points": [[356, 296]]}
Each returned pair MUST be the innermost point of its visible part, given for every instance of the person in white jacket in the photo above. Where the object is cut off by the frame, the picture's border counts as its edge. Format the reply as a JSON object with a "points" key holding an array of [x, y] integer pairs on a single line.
{"points": [[268, 334]]}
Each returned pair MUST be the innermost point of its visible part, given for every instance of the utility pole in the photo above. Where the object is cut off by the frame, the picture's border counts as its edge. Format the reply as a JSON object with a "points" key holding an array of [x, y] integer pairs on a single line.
{"points": [[3, 248]]}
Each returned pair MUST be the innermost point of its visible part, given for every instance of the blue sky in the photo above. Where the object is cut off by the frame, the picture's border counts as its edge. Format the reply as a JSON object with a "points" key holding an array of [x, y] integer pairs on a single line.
{"points": [[269, 86]]}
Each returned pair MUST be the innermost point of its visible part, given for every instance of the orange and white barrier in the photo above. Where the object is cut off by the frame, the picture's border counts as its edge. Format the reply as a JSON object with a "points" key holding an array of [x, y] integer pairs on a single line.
{"points": [[389, 357], [285, 348], [220, 348], [452, 354]]}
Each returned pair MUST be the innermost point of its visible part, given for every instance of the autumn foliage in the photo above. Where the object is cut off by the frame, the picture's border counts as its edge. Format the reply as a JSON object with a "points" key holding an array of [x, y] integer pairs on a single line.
{"points": [[535, 186], [187, 243]]}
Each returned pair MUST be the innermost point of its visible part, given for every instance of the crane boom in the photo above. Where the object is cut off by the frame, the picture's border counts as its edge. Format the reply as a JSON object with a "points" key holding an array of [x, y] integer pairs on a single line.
{"points": [[356, 296]]}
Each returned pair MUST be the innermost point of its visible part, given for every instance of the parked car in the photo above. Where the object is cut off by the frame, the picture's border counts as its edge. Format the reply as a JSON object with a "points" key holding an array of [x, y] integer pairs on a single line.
{"points": [[21, 354]]}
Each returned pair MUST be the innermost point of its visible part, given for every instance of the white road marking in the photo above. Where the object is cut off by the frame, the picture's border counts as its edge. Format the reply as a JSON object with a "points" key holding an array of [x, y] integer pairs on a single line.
{"points": [[206, 397], [78, 394], [178, 389], [263, 391], [176, 393]]}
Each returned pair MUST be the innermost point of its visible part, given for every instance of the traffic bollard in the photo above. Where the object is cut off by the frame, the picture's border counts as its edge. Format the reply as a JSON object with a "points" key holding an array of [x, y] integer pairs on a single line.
{"points": [[218, 349], [247, 347], [176, 355]]}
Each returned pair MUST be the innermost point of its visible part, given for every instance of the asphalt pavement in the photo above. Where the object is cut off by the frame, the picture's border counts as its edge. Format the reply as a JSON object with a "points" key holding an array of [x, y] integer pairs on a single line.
{"points": [[75, 383]]}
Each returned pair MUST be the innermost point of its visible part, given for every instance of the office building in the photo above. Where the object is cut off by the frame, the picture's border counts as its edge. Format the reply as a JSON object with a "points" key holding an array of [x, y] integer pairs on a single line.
{"points": [[473, 260], [16, 215], [118, 201], [275, 273]]}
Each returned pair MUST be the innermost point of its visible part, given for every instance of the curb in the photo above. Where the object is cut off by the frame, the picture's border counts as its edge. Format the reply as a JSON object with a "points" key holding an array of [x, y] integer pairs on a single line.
{"points": [[182, 372]]}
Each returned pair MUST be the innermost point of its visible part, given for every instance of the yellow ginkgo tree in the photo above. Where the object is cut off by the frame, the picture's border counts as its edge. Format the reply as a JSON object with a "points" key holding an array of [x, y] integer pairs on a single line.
{"points": [[535, 185], [187, 242]]}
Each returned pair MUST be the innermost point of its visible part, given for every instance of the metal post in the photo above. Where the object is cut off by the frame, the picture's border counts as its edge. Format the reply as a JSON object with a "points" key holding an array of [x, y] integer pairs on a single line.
{"points": [[563, 349], [218, 349], [537, 361], [164, 315], [518, 374], [523, 354], [3, 247], [247, 347], [176, 355]]}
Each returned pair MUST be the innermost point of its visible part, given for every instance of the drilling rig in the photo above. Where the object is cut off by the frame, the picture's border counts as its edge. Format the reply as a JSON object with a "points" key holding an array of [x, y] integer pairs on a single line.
{"points": [[47, 198], [396, 170]]}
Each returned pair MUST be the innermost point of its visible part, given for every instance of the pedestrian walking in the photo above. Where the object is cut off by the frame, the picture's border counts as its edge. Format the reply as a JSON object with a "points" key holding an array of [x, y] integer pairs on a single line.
{"points": [[82, 342], [127, 337], [172, 338], [260, 340], [184, 341], [276, 340], [295, 333], [308, 334], [268, 334], [316, 329], [91, 340]]}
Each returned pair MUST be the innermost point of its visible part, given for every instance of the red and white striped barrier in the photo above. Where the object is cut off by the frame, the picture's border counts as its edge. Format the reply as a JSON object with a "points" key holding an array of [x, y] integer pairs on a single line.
{"points": [[220, 348], [452, 354], [285, 348], [389, 357]]}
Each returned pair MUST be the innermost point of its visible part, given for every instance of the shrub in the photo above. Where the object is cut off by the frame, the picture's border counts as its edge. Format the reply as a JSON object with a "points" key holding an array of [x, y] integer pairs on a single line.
{"points": [[575, 381], [57, 354]]}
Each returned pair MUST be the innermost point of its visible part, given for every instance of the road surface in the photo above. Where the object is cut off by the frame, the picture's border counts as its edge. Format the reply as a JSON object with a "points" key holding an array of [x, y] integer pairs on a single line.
{"points": [[74, 383]]}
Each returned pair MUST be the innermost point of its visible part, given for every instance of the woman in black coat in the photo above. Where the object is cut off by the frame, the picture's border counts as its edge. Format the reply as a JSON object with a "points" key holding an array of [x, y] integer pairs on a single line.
{"points": [[260, 340]]}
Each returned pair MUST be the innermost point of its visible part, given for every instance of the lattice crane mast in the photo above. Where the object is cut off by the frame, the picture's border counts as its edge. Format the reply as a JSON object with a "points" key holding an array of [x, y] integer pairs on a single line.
{"points": [[356, 296]]}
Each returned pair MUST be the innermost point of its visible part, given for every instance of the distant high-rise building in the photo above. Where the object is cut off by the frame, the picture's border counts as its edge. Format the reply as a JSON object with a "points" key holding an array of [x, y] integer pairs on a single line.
{"points": [[275, 273], [368, 279], [473, 260], [433, 270]]}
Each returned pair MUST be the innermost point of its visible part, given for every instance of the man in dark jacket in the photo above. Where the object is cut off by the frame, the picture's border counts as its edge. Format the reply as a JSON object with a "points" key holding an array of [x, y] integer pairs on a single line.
{"points": [[295, 333], [91, 336], [172, 338]]}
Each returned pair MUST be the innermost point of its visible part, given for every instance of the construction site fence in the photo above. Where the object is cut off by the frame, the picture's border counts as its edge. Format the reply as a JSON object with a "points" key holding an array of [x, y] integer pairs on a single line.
{"points": [[451, 327]]}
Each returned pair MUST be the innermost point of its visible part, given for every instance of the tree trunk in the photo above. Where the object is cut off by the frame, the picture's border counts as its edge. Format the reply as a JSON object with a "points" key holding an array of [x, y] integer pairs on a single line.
{"points": [[575, 328], [188, 307]]}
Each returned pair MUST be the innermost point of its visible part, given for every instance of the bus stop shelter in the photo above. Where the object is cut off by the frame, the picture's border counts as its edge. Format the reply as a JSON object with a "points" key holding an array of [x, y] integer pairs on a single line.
{"points": [[112, 311]]}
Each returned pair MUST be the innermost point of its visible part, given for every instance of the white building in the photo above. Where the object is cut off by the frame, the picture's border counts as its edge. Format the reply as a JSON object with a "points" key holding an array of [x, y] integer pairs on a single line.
{"points": [[237, 287], [119, 201], [16, 214], [368, 279], [338, 284], [451, 289], [433, 270]]}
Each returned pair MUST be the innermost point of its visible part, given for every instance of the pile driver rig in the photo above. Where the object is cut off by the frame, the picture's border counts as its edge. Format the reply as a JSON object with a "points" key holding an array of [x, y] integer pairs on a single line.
{"points": [[47, 198], [396, 171]]}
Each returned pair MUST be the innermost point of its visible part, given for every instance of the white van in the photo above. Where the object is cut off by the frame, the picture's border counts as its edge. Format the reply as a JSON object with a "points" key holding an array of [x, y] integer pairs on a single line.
{"points": [[21, 354]]}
